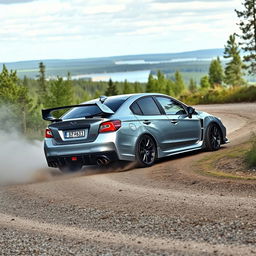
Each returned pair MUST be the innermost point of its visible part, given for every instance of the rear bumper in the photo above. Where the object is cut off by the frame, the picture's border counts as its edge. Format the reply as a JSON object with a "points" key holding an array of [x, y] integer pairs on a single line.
{"points": [[117, 142], [101, 144], [85, 153], [82, 159]]}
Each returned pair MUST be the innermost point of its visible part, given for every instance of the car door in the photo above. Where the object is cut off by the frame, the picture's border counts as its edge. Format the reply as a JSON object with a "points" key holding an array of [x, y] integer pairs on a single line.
{"points": [[183, 131], [152, 120]]}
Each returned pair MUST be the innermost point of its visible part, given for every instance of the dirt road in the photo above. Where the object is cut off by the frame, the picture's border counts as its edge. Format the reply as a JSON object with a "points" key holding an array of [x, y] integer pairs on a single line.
{"points": [[164, 210]]}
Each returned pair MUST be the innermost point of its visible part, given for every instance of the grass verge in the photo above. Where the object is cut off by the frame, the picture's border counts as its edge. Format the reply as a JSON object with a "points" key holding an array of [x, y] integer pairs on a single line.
{"points": [[250, 155], [227, 163]]}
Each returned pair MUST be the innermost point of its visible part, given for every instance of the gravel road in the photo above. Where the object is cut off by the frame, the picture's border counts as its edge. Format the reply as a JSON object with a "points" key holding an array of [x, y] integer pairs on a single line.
{"points": [[164, 210]]}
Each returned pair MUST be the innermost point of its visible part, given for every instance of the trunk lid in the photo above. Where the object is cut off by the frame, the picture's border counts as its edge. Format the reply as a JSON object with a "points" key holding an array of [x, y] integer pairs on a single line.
{"points": [[76, 131]]}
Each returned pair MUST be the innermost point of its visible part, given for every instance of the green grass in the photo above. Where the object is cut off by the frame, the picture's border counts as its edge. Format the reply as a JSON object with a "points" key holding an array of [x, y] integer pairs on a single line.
{"points": [[206, 166], [250, 156]]}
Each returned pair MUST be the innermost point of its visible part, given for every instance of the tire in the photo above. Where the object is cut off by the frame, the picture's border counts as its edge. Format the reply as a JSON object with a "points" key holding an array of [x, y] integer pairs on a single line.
{"points": [[146, 152], [69, 168], [212, 138]]}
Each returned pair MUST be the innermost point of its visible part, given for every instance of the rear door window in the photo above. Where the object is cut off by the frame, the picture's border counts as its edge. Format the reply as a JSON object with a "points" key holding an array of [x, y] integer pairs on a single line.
{"points": [[148, 106], [136, 109]]}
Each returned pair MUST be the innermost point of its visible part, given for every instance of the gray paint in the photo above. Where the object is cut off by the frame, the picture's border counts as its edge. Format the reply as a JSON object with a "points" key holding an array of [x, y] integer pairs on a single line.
{"points": [[173, 134]]}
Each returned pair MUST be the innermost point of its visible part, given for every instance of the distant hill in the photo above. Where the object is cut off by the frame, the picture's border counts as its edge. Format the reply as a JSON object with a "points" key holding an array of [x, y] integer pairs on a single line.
{"points": [[192, 64]]}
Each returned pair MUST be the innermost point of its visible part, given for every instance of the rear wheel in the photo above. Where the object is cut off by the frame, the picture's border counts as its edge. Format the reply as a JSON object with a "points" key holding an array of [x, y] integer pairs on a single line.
{"points": [[212, 137], [145, 151]]}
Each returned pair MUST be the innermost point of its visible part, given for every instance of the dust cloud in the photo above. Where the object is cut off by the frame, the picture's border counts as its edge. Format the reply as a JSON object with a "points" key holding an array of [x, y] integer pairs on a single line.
{"points": [[21, 161]]}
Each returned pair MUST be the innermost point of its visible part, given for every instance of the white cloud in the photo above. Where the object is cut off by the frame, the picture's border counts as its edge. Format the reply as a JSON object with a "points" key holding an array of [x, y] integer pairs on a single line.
{"points": [[114, 24], [103, 9], [14, 1], [192, 5]]}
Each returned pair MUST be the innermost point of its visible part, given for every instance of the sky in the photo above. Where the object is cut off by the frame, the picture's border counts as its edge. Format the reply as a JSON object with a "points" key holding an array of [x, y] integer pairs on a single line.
{"points": [[69, 29]]}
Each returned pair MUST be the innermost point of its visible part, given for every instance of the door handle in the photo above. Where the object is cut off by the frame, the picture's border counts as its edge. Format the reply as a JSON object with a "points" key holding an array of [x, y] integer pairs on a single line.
{"points": [[147, 122], [174, 121]]}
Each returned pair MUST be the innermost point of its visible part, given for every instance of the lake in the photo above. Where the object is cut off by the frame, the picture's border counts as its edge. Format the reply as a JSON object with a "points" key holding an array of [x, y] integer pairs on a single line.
{"points": [[131, 76]]}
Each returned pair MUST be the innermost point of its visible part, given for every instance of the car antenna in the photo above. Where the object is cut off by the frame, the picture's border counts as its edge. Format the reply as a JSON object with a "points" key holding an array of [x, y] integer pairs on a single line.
{"points": [[103, 98]]}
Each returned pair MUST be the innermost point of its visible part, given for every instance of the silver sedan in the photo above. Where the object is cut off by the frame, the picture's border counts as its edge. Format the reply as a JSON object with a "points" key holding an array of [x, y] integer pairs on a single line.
{"points": [[135, 127]]}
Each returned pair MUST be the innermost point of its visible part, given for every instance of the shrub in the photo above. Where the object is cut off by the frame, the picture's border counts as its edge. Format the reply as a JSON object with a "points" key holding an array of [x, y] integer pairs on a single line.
{"points": [[221, 95], [250, 156]]}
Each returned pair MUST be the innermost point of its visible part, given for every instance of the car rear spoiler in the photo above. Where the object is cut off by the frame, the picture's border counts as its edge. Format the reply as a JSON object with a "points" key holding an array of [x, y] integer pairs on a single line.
{"points": [[46, 113]]}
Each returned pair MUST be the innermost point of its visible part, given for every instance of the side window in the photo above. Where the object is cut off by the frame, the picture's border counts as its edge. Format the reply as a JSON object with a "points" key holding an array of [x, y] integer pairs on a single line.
{"points": [[148, 106], [135, 109], [171, 107]]}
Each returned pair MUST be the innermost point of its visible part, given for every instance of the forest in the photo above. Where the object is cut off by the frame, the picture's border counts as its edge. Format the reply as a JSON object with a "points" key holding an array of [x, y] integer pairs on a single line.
{"points": [[22, 99]]}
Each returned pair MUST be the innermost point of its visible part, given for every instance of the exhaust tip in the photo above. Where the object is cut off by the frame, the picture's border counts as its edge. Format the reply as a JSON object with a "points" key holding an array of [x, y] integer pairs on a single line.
{"points": [[102, 161]]}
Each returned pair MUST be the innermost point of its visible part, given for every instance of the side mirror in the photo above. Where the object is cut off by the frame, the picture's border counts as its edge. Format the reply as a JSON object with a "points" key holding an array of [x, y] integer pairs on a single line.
{"points": [[191, 111]]}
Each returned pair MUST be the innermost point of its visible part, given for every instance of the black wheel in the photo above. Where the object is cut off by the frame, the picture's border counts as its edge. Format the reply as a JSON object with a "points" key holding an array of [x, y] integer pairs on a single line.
{"points": [[212, 138], [70, 168], [145, 151]]}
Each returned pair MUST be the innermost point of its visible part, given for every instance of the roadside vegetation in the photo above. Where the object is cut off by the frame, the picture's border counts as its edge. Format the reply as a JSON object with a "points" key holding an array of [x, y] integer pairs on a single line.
{"points": [[234, 164], [250, 155]]}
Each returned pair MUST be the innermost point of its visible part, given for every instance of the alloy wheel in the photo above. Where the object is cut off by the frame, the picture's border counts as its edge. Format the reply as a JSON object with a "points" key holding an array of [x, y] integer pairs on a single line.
{"points": [[147, 150], [215, 137]]}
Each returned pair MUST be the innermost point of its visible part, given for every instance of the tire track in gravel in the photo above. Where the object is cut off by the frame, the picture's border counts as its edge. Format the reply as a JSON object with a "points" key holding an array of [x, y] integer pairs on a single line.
{"points": [[169, 189], [120, 238]]}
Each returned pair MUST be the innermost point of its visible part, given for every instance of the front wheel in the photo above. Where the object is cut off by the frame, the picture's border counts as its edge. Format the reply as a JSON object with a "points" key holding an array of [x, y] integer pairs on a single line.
{"points": [[145, 151], [212, 137]]}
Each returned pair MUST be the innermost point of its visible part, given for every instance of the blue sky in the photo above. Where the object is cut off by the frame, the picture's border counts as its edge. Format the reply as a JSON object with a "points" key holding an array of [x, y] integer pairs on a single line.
{"points": [[50, 29]]}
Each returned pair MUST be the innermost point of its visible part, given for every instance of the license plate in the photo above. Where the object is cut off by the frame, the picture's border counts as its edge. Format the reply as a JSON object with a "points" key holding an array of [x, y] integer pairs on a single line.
{"points": [[74, 134]]}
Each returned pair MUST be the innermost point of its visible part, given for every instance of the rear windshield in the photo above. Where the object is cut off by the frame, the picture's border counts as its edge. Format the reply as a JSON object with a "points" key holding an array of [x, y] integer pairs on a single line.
{"points": [[113, 103]]}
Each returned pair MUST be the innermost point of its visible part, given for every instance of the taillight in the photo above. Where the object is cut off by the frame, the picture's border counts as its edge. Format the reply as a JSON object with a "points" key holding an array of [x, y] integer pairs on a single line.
{"points": [[110, 126], [48, 133]]}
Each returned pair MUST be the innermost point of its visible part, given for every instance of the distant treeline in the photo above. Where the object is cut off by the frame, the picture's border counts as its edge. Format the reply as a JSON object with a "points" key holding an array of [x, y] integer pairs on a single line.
{"points": [[191, 64], [21, 100]]}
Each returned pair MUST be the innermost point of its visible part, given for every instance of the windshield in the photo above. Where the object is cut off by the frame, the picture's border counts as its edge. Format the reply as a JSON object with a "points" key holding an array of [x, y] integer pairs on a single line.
{"points": [[113, 103]]}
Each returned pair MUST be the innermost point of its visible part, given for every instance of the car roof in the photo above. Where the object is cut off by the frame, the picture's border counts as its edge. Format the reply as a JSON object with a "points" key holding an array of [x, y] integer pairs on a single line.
{"points": [[125, 96]]}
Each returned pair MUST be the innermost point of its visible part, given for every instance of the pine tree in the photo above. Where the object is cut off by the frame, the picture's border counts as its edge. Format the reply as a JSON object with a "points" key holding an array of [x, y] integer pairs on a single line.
{"points": [[233, 69], [9, 91], [15, 98], [61, 93], [24, 103], [127, 88], [25, 81], [137, 87], [69, 77], [192, 86], [42, 80], [97, 94], [247, 26], [151, 84], [111, 90], [161, 82], [204, 82], [216, 74], [169, 88], [179, 84]]}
